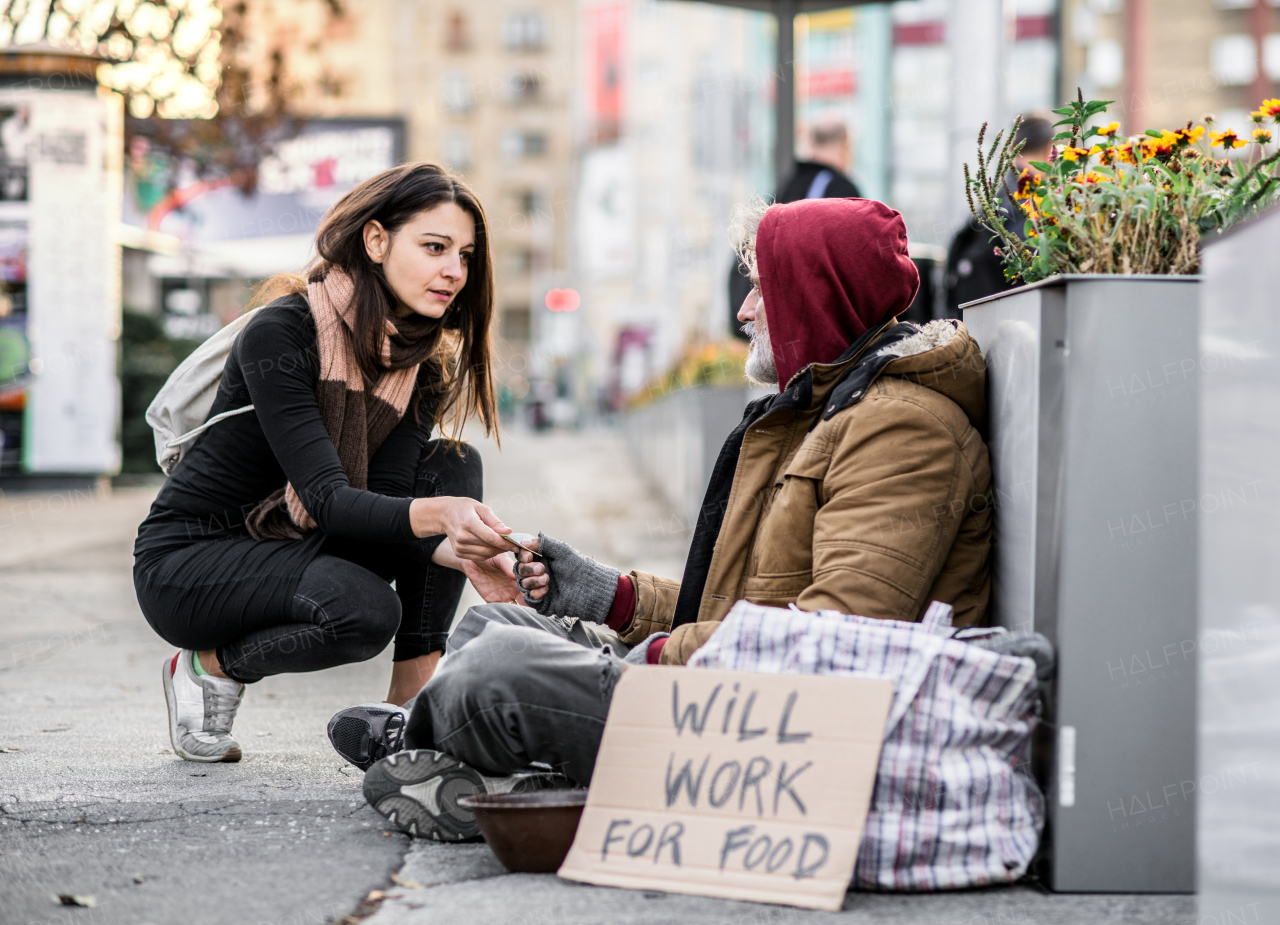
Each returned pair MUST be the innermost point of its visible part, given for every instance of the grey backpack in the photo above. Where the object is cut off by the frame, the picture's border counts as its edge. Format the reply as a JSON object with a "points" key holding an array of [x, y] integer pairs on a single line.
{"points": [[178, 413]]}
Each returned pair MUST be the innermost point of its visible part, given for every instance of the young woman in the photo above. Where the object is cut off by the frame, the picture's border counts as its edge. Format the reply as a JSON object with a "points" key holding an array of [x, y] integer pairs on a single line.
{"points": [[271, 547]]}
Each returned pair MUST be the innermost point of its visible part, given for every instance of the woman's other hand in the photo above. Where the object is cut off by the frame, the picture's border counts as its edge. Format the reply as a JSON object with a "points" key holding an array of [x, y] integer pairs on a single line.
{"points": [[493, 579], [474, 531], [532, 571]]}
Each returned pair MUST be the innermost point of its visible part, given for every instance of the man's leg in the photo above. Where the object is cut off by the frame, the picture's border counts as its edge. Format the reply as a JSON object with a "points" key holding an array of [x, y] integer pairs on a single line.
{"points": [[581, 632], [515, 695]]}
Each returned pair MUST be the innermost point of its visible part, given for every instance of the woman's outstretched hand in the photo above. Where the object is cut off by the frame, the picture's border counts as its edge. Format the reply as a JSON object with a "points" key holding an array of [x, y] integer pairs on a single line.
{"points": [[493, 579], [474, 531]]}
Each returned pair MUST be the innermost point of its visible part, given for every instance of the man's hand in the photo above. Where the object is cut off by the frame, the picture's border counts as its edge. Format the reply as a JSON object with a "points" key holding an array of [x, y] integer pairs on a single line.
{"points": [[533, 573], [474, 531], [493, 579], [565, 583]]}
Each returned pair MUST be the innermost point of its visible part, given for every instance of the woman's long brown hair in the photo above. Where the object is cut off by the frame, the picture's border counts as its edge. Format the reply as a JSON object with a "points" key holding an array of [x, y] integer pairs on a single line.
{"points": [[461, 340]]}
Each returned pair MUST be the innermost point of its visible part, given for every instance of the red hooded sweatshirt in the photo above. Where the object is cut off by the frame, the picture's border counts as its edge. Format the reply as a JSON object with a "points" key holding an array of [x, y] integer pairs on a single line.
{"points": [[829, 270]]}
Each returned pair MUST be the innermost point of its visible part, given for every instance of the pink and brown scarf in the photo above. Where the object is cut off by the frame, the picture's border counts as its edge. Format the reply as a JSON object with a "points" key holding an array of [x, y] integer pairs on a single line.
{"points": [[357, 419]]}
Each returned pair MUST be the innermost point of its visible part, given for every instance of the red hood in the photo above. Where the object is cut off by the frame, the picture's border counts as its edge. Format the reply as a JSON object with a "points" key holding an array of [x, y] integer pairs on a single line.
{"points": [[829, 270]]}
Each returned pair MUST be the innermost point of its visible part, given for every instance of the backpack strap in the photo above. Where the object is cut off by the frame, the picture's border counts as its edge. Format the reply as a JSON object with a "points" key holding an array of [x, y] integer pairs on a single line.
{"points": [[178, 441]]}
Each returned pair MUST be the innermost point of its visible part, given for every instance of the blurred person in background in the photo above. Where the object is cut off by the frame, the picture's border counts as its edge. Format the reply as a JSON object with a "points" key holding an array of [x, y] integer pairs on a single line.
{"points": [[973, 269], [822, 176], [272, 546], [862, 486]]}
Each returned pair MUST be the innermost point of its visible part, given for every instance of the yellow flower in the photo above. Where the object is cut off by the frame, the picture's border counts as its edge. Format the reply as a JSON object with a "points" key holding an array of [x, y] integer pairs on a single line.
{"points": [[1189, 135], [1262, 136], [1109, 131], [1094, 177], [1106, 156], [1226, 139], [1027, 181], [1124, 153], [1270, 108], [1160, 147], [1074, 154]]}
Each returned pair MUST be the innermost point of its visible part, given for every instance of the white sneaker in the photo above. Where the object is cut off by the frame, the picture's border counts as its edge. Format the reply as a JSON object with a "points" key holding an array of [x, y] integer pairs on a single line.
{"points": [[201, 711]]}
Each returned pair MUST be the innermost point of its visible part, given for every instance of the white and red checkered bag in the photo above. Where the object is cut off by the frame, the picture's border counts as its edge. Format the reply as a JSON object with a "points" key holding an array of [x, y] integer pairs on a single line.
{"points": [[954, 803]]}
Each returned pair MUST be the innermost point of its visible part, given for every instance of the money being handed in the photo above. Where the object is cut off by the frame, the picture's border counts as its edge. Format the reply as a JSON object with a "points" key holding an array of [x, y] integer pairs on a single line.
{"points": [[523, 540]]}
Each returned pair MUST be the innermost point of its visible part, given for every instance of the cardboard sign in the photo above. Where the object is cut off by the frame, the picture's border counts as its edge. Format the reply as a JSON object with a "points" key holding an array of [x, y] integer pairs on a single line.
{"points": [[732, 784]]}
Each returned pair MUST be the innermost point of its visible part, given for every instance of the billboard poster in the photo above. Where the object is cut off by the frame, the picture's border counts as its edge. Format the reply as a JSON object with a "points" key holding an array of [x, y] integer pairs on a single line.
{"points": [[296, 184], [606, 213]]}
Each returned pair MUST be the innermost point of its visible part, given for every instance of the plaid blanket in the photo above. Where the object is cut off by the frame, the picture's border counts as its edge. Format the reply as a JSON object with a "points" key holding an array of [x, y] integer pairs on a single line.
{"points": [[954, 803]]}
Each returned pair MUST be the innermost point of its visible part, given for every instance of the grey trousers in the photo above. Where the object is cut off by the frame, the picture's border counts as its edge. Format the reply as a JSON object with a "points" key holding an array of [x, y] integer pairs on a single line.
{"points": [[517, 688]]}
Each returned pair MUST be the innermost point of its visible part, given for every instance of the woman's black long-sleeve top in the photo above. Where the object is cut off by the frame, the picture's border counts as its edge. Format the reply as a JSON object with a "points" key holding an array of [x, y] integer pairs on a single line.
{"points": [[235, 464]]}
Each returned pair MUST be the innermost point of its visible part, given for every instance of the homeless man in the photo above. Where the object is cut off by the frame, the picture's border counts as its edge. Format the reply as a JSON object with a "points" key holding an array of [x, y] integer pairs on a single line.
{"points": [[862, 487]]}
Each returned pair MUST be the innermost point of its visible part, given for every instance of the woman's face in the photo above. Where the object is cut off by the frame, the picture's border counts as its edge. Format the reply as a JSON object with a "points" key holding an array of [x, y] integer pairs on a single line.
{"points": [[426, 260]]}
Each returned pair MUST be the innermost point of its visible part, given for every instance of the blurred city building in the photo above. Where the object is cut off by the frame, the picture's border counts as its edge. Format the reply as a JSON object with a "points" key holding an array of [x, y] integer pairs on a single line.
{"points": [[610, 140], [674, 123], [485, 88], [1170, 61], [954, 65]]}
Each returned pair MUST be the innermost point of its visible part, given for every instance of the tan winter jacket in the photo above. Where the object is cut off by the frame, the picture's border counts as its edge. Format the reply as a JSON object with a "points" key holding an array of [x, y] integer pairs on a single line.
{"points": [[877, 510]]}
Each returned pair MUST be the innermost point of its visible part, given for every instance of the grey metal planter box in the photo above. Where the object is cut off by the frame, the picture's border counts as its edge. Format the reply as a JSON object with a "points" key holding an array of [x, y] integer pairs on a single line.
{"points": [[1239, 807], [1093, 414], [676, 439]]}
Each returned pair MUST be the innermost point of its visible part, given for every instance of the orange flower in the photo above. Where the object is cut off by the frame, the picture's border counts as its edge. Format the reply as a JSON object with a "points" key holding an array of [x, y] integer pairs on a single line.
{"points": [[1028, 180], [1262, 136], [1124, 153], [1094, 177], [1270, 108], [1226, 139]]}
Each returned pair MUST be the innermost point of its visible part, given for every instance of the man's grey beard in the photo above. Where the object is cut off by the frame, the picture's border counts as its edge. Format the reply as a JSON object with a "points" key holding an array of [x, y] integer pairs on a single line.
{"points": [[760, 366]]}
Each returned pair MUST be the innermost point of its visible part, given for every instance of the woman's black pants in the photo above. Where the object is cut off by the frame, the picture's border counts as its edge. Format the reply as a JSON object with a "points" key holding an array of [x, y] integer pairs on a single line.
{"points": [[343, 608]]}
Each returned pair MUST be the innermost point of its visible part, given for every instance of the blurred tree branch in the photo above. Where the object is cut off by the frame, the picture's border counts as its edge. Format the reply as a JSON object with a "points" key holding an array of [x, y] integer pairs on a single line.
{"points": [[206, 94]]}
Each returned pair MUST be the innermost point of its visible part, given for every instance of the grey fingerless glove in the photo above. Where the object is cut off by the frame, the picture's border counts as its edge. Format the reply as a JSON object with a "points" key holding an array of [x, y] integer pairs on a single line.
{"points": [[639, 655], [577, 586]]}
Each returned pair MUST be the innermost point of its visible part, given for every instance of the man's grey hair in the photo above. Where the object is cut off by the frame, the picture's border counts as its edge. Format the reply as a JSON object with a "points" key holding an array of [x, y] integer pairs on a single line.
{"points": [[828, 132], [742, 233]]}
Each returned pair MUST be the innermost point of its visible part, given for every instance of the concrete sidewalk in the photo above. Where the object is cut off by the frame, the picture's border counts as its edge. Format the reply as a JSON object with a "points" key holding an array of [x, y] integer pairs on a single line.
{"points": [[94, 804]]}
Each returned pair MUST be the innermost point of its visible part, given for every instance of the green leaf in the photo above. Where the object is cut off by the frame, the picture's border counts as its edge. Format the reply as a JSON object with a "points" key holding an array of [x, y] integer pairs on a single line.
{"points": [[1093, 107], [1065, 111], [1153, 133], [1041, 166], [1064, 136]]}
